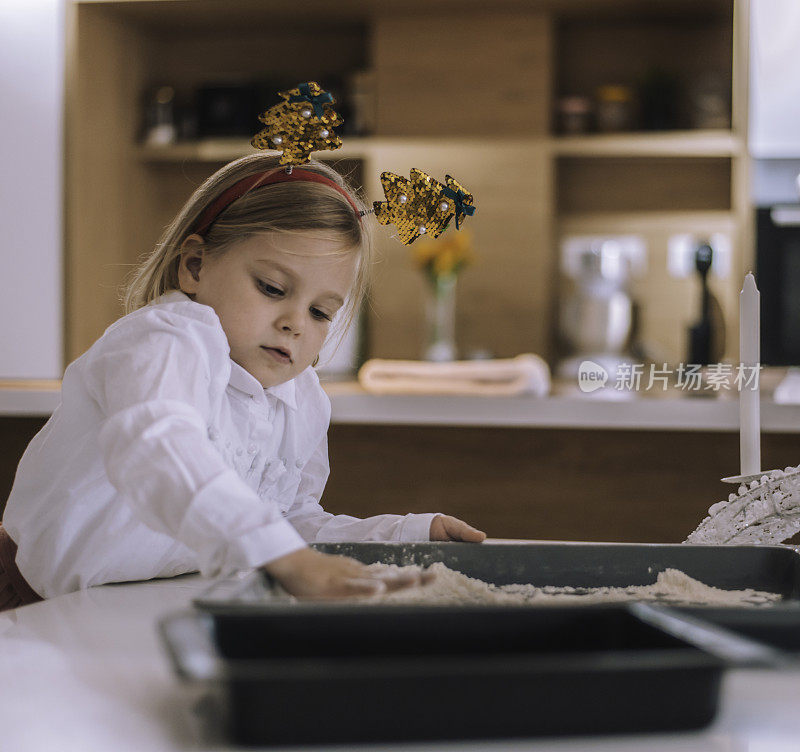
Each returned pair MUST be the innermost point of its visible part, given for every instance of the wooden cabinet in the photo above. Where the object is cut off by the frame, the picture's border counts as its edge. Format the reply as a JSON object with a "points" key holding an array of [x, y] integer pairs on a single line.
{"points": [[542, 483], [465, 90], [548, 483]]}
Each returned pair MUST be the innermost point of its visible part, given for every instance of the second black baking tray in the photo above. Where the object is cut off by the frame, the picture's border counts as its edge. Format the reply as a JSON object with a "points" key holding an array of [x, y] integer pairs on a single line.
{"points": [[777, 627], [346, 674]]}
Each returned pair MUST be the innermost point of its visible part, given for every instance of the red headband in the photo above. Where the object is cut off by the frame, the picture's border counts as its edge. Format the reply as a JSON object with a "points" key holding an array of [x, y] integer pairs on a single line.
{"points": [[260, 179]]}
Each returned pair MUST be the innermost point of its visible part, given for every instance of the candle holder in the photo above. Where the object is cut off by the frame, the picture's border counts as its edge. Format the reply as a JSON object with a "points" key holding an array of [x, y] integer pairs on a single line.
{"points": [[747, 478], [765, 512], [766, 506]]}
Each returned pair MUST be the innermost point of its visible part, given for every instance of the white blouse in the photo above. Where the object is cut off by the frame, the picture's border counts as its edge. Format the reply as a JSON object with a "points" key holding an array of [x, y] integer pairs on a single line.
{"points": [[165, 457]]}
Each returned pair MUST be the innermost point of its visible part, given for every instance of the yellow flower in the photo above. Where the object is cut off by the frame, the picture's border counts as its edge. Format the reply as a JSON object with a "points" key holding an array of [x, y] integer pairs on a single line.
{"points": [[444, 262], [444, 256], [424, 252]]}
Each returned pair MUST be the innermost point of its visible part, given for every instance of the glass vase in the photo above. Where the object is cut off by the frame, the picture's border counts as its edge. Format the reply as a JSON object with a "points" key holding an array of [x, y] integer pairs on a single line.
{"points": [[440, 319]]}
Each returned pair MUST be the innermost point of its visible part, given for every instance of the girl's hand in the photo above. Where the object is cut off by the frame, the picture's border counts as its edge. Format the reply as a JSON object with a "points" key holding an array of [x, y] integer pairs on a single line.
{"points": [[310, 574], [446, 528]]}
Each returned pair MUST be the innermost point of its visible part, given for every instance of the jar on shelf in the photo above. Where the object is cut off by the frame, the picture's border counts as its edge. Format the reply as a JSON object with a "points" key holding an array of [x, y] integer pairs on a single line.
{"points": [[709, 102], [614, 110], [574, 115], [160, 124]]}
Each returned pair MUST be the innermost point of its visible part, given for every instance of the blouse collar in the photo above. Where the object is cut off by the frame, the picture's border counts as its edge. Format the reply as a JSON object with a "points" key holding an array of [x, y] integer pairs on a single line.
{"points": [[241, 378]]}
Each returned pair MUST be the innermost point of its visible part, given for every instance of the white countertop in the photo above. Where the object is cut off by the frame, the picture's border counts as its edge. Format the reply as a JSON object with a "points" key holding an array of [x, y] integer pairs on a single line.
{"points": [[86, 672], [34, 400], [352, 405]]}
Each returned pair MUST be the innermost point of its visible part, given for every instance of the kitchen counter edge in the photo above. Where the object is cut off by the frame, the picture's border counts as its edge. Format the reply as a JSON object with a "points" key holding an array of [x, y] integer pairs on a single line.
{"points": [[352, 405]]}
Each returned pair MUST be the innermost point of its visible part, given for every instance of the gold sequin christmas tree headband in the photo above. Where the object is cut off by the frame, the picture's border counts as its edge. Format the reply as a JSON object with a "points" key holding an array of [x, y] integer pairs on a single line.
{"points": [[302, 123]]}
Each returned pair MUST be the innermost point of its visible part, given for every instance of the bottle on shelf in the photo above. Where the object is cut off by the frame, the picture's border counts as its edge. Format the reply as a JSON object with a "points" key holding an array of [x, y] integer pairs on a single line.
{"points": [[614, 110], [574, 115], [160, 118]]}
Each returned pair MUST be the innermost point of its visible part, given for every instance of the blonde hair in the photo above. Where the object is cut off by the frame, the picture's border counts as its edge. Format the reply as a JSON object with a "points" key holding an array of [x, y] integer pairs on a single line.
{"points": [[280, 207]]}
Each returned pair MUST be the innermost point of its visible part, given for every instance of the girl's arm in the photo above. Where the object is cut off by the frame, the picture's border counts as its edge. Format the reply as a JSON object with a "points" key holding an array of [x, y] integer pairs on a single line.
{"points": [[318, 526], [155, 378]]}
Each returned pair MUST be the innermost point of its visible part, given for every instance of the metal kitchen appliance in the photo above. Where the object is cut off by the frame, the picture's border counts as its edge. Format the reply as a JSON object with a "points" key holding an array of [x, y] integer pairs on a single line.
{"points": [[596, 310]]}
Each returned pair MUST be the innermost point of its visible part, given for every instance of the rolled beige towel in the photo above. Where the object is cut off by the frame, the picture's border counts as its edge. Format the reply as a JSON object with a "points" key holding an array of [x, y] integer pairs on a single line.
{"points": [[523, 374]]}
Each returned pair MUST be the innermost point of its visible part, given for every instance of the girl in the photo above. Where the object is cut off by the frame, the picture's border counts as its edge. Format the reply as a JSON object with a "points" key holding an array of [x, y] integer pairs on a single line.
{"points": [[192, 434]]}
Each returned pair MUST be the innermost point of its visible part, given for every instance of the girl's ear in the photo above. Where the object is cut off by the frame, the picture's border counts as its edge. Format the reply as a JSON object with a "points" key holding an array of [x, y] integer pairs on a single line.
{"points": [[191, 260]]}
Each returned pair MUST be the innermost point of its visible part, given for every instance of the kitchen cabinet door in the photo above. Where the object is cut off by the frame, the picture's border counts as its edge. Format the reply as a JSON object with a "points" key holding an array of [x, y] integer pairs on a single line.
{"points": [[774, 127], [31, 92]]}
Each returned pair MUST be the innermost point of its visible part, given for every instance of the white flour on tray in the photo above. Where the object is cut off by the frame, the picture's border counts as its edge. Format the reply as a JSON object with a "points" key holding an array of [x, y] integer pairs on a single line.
{"points": [[454, 588]]}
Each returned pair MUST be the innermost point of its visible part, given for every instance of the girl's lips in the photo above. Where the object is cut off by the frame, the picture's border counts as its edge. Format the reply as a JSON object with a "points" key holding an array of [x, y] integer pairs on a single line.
{"points": [[279, 355]]}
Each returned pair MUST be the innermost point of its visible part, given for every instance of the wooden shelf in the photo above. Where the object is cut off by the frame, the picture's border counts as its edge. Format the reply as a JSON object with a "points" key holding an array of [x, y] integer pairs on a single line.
{"points": [[206, 150], [353, 147], [226, 149], [701, 143], [666, 144], [580, 221]]}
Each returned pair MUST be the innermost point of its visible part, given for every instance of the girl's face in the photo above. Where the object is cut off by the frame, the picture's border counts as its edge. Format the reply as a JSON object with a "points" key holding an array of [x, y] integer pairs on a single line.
{"points": [[275, 296]]}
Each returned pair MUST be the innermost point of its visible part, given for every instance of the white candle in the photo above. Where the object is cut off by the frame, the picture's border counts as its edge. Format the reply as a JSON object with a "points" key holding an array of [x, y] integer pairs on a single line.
{"points": [[749, 392]]}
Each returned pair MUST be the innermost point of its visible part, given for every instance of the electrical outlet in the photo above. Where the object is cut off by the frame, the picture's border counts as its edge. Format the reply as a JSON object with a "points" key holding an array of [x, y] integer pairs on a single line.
{"points": [[632, 248], [681, 249]]}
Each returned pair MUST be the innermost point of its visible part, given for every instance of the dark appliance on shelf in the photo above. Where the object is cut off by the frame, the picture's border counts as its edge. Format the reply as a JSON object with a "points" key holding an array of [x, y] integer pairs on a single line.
{"points": [[227, 109], [778, 277]]}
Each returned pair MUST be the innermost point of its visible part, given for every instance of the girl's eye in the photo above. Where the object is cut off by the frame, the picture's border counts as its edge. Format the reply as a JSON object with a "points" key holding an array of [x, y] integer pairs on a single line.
{"points": [[269, 289], [320, 315]]}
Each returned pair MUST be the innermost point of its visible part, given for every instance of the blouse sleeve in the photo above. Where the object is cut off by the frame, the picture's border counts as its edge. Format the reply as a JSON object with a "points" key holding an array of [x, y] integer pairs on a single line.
{"points": [[318, 526], [152, 378]]}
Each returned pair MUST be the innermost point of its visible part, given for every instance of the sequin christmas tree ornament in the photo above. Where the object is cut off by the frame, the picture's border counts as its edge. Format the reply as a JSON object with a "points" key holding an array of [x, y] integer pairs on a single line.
{"points": [[422, 205], [302, 123]]}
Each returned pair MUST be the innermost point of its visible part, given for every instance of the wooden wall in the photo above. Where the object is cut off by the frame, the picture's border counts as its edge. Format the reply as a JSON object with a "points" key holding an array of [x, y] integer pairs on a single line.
{"points": [[470, 92], [552, 484], [504, 300], [589, 485], [446, 74], [15, 433]]}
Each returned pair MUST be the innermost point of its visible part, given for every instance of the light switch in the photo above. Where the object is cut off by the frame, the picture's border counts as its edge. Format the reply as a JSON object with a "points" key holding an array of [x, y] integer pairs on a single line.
{"points": [[681, 250]]}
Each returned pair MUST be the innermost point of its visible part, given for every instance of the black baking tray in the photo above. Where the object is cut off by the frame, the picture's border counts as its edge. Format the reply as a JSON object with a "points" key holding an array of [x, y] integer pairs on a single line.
{"points": [[390, 672], [772, 568], [329, 673], [775, 569], [586, 565]]}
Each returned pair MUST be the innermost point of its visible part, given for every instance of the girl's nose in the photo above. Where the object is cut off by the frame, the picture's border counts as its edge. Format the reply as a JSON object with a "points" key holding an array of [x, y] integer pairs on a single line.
{"points": [[290, 322]]}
